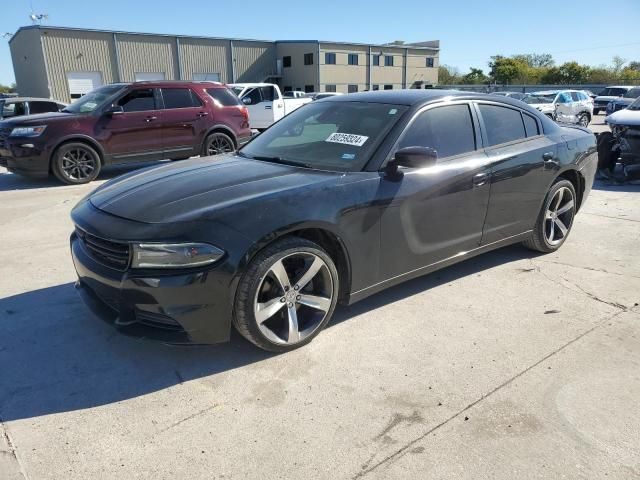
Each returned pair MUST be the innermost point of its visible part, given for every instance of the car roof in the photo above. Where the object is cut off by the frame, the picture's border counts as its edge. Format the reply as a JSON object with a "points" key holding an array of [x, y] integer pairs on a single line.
{"points": [[403, 97], [28, 99], [164, 83]]}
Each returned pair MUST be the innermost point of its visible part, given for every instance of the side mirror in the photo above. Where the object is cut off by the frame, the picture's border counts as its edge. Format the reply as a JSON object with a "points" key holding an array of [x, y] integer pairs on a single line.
{"points": [[412, 157], [114, 110], [246, 100]]}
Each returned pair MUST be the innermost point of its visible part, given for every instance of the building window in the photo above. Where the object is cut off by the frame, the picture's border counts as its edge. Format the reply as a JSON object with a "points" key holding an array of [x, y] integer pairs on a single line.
{"points": [[308, 88], [353, 59], [375, 87], [388, 87], [352, 88], [329, 88], [286, 61], [330, 58], [376, 60], [308, 58], [388, 60], [430, 62]]}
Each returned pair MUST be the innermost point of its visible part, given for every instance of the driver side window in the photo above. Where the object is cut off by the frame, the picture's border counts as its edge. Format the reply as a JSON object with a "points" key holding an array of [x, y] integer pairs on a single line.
{"points": [[563, 98], [254, 95], [448, 130], [139, 100]]}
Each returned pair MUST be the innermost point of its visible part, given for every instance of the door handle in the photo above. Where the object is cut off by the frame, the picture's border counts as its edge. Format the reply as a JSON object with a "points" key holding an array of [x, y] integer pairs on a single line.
{"points": [[202, 114], [267, 107], [150, 119], [480, 179]]}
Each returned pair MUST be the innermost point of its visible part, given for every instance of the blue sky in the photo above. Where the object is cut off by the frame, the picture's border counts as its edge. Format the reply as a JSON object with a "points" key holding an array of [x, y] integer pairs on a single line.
{"points": [[470, 31]]}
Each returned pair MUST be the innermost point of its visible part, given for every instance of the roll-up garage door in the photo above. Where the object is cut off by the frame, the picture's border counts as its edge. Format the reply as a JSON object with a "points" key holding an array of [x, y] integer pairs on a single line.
{"points": [[81, 83]]}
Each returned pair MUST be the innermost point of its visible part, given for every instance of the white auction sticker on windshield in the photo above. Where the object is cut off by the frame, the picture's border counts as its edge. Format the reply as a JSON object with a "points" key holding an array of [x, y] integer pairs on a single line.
{"points": [[347, 139]]}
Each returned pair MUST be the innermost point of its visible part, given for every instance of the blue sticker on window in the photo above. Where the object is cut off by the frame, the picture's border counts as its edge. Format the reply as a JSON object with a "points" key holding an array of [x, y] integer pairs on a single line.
{"points": [[348, 156]]}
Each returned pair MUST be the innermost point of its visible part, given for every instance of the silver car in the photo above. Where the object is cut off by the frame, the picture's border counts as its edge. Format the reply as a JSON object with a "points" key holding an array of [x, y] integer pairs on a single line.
{"points": [[564, 106]]}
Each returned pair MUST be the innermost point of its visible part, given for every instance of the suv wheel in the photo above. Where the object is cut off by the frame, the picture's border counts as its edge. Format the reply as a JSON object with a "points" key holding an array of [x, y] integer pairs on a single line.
{"points": [[287, 295], [75, 163], [217, 143]]}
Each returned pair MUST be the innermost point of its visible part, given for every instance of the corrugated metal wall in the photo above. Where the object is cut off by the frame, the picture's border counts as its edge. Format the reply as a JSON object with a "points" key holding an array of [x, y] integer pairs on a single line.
{"points": [[74, 51], [28, 64], [201, 55], [255, 61], [147, 54]]}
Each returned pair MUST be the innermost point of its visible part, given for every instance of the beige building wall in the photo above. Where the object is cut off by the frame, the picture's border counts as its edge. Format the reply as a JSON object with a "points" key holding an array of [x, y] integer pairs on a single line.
{"points": [[298, 74], [204, 55], [29, 64], [254, 61], [72, 51], [147, 54], [342, 74], [417, 70]]}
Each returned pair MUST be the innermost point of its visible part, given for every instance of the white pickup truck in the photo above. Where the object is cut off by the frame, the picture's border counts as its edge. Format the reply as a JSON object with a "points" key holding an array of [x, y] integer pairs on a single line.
{"points": [[265, 103]]}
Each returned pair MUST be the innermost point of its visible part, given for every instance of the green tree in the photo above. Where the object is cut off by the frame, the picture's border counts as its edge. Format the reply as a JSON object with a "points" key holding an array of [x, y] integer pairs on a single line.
{"points": [[634, 66], [567, 73], [448, 75], [536, 60], [8, 88], [475, 76], [505, 70]]}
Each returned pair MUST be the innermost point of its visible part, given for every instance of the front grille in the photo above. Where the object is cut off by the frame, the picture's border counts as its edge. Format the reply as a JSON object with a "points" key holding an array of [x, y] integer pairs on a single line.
{"points": [[157, 320], [111, 254], [4, 134]]}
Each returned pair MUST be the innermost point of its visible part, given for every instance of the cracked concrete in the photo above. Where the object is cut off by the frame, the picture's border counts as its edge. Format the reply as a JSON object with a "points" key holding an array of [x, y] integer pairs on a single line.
{"points": [[508, 366]]}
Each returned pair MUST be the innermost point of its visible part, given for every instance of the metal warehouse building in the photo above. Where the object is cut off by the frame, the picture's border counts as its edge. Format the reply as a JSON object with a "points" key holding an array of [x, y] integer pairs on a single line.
{"points": [[65, 63]]}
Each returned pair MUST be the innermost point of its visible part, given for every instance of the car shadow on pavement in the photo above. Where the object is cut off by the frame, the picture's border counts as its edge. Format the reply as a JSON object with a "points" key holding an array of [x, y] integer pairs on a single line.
{"points": [[609, 186], [56, 357], [10, 181]]}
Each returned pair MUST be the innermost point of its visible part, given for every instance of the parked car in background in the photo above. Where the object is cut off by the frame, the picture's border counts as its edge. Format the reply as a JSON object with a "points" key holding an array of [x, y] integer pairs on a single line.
{"points": [[566, 106], [607, 95], [516, 95], [320, 96], [623, 102], [20, 106], [590, 94], [125, 123], [265, 103], [621, 144], [338, 201], [294, 94]]}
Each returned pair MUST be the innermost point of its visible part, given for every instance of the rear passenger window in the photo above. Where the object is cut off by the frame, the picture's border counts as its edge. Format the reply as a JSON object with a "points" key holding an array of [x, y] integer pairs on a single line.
{"points": [[224, 97], [502, 124], [530, 125], [139, 100], [42, 107], [575, 96], [180, 98], [448, 130]]}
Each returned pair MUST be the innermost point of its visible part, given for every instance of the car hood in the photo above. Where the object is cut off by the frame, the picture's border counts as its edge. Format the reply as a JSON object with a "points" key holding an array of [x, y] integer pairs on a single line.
{"points": [[624, 117], [199, 188], [38, 119], [542, 106]]}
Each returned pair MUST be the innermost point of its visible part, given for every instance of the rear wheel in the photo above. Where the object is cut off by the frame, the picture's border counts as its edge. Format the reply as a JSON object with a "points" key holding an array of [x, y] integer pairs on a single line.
{"points": [[583, 119], [217, 143], [287, 295], [75, 163], [555, 219]]}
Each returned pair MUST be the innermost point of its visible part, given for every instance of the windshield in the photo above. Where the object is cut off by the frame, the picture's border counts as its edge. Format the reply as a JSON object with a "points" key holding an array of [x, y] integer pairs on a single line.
{"points": [[328, 135], [538, 98], [613, 92], [633, 93], [92, 100], [237, 90]]}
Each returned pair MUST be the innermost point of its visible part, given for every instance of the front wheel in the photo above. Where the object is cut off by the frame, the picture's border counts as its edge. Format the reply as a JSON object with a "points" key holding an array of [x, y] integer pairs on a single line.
{"points": [[75, 163], [216, 144], [287, 295], [555, 219], [583, 119]]}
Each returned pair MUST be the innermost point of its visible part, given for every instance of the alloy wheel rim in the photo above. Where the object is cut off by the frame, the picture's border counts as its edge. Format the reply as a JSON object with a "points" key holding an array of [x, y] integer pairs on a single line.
{"points": [[78, 164], [293, 298], [584, 121], [219, 145], [559, 216]]}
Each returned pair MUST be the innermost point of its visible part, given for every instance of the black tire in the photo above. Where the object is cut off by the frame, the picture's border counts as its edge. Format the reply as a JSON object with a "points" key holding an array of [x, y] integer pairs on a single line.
{"points": [[607, 156], [596, 112], [217, 143], [76, 163], [584, 119], [539, 238], [252, 285]]}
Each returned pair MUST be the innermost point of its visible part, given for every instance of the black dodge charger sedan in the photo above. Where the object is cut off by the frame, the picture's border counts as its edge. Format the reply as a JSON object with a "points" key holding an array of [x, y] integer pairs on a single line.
{"points": [[342, 198]]}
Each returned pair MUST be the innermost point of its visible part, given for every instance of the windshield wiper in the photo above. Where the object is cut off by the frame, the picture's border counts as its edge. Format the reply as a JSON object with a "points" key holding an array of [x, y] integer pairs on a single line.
{"points": [[280, 160]]}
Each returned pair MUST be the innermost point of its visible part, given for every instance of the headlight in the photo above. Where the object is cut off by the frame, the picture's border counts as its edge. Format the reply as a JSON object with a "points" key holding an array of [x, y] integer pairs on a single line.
{"points": [[174, 255], [27, 131]]}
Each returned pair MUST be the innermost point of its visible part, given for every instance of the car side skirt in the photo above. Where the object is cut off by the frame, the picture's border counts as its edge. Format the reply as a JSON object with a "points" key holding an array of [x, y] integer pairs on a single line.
{"points": [[418, 272]]}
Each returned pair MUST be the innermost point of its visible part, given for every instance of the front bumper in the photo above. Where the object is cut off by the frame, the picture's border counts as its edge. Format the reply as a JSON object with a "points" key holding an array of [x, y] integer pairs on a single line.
{"points": [[25, 156]]}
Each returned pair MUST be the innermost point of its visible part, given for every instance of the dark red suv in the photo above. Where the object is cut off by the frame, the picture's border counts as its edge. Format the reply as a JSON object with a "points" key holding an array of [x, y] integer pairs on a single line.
{"points": [[125, 123]]}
